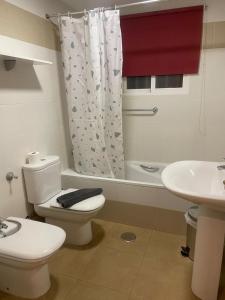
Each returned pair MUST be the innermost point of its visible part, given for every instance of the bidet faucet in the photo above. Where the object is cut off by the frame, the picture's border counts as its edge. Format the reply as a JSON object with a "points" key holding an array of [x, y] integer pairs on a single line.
{"points": [[2, 225]]}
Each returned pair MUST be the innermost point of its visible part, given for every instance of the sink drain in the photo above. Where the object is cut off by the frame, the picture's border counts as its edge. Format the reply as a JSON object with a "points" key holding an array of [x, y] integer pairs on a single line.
{"points": [[128, 237]]}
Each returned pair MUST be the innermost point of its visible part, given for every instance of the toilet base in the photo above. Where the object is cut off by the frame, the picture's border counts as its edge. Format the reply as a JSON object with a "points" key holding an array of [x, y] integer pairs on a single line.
{"points": [[76, 233], [24, 282]]}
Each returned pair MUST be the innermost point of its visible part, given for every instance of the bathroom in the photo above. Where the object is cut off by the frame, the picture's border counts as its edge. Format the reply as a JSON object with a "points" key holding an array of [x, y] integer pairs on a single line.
{"points": [[163, 120]]}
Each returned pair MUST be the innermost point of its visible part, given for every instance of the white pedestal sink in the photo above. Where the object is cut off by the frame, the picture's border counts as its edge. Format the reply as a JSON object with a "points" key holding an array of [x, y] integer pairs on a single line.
{"points": [[201, 182]]}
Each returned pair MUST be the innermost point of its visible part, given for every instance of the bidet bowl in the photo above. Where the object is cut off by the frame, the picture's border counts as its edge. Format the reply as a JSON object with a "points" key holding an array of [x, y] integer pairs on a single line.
{"points": [[24, 256]]}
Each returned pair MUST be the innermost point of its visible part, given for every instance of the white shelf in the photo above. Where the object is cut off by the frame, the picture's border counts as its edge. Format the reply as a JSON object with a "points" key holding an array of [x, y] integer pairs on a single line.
{"points": [[34, 61]]}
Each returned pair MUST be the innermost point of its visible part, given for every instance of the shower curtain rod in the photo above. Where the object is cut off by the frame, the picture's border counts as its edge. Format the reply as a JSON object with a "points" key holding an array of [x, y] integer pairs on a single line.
{"points": [[110, 7]]}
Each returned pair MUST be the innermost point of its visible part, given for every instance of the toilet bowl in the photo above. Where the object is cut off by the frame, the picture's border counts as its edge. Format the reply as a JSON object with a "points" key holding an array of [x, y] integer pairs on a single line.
{"points": [[76, 220], [24, 258], [43, 186]]}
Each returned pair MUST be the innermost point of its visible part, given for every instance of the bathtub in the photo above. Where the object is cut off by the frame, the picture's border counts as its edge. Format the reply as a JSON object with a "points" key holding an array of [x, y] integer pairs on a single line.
{"points": [[143, 186], [144, 172]]}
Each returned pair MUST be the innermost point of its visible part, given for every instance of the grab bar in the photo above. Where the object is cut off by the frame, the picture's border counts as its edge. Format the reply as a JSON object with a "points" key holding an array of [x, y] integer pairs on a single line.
{"points": [[154, 110]]}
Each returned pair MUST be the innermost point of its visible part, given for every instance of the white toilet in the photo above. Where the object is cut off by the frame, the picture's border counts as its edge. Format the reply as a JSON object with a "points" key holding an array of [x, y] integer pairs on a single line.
{"points": [[43, 186], [24, 256]]}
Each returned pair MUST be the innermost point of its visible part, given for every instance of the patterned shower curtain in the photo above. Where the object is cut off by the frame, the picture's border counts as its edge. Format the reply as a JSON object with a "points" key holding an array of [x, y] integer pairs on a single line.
{"points": [[92, 60]]}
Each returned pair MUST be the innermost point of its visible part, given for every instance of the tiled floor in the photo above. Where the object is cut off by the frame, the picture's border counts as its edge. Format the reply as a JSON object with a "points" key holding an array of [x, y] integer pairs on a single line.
{"points": [[108, 269]]}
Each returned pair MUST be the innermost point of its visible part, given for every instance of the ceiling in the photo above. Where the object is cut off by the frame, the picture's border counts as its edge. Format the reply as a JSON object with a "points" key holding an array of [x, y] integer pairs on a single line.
{"points": [[79, 5]]}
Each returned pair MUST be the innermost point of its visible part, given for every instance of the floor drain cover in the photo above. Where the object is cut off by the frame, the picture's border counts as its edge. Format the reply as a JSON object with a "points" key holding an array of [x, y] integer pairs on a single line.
{"points": [[128, 237]]}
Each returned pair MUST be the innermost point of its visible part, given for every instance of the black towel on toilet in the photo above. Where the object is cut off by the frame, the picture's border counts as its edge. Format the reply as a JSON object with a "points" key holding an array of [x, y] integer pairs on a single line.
{"points": [[68, 200]]}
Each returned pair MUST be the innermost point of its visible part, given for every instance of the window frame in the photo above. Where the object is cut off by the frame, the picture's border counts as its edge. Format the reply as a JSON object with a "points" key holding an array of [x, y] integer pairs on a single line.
{"points": [[134, 91], [153, 91]]}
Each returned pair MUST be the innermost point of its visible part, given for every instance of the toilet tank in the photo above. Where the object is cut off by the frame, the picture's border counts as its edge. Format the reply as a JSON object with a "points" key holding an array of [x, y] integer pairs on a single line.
{"points": [[42, 179]]}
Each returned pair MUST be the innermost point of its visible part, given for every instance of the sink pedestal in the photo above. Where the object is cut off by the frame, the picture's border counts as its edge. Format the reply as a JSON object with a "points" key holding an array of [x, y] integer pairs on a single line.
{"points": [[208, 253]]}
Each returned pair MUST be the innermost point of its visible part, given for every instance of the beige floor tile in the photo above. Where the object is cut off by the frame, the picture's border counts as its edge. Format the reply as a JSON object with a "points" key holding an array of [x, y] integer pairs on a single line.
{"points": [[165, 246], [3, 296], [112, 269], [60, 287], [157, 281], [87, 291], [106, 225], [114, 241], [101, 229], [71, 260], [164, 272], [135, 297]]}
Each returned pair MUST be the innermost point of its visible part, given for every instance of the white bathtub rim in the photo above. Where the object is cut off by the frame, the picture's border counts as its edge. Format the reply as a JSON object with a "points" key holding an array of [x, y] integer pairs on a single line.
{"points": [[127, 191], [70, 172]]}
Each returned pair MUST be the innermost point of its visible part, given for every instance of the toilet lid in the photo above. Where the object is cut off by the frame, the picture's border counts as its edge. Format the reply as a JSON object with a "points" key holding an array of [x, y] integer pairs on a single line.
{"points": [[89, 204], [34, 241]]}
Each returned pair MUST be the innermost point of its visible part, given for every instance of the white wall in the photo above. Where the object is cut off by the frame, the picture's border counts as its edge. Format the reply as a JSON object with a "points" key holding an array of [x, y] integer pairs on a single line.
{"points": [[216, 12], [41, 7], [31, 112], [187, 126]]}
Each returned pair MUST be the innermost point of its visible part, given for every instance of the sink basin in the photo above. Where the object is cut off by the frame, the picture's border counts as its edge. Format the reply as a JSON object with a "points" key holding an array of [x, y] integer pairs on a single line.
{"points": [[198, 181]]}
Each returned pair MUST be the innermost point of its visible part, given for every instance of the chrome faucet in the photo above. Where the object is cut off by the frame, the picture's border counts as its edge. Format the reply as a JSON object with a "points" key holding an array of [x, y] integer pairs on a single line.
{"points": [[2, 225], [222, 167], [5, 226]]}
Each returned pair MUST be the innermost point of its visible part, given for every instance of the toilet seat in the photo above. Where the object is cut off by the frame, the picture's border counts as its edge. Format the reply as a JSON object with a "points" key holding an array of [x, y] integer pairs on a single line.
{"points": [[86, 205], [34, 242]]}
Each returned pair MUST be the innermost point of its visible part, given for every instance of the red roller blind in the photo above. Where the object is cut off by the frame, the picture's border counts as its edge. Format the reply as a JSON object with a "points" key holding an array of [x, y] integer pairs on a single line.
{"points": [[162, 43]]}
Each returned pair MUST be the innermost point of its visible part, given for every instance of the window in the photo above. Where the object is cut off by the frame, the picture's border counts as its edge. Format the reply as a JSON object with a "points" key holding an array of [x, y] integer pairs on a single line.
{"points": [[156, 85], [138, 82], [166, 81]]}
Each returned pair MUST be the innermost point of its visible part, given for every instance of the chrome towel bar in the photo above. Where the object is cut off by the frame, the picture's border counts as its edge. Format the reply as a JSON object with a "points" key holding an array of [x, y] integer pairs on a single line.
{"points": [[154, 110]]}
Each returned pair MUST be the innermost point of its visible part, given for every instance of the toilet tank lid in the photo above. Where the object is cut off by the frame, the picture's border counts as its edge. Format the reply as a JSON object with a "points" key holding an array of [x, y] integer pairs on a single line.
{"points": [[44, 162]]}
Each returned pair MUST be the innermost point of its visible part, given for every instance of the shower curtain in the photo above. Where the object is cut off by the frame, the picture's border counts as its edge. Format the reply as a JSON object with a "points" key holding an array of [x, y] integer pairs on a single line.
{"points": [[92, 61]]}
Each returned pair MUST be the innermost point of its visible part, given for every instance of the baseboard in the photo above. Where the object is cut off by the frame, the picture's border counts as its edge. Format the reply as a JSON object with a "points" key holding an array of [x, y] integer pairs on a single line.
{"points": [[144, 216]]}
